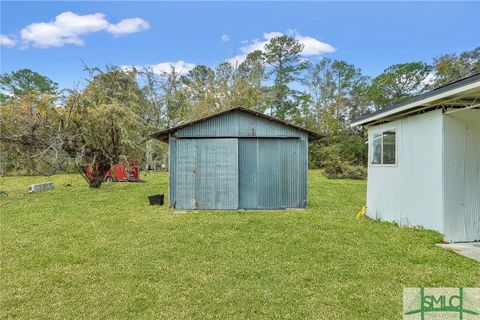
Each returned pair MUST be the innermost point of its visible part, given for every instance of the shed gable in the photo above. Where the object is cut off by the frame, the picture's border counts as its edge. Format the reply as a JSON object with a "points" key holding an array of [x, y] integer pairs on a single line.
{"points": [[239, 124]]}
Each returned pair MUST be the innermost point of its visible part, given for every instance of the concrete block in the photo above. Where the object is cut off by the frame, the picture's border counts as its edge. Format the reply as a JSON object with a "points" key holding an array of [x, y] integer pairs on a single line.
{"points": [[38, 187]]}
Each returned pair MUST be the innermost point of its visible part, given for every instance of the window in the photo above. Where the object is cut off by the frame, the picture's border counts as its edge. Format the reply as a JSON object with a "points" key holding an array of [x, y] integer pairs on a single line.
{"points": [[377, 148], [384, 150]]}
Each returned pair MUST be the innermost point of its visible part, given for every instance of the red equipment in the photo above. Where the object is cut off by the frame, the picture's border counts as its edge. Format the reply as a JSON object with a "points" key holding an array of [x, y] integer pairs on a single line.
{"points": [[125, 170]]}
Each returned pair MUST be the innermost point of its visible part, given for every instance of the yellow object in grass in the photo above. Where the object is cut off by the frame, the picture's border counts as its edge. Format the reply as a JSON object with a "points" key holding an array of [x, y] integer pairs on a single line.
{"points": [[361, 213]]}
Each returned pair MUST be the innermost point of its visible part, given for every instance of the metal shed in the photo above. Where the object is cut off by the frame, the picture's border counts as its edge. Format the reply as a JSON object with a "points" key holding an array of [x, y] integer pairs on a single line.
{"points": [[237, 159], [424, 161]]}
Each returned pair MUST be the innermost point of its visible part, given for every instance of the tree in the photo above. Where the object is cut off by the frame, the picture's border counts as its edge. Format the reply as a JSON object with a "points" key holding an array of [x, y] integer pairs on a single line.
{"points": [[31, 134], [321, 88], [336, 91], [451, 67], [349, 87], [106, 121], [336, 87], [165, 96], [199, 86], [225, 75], [96, 127], [249, 91], [167, 106], [398, 83], [24, 81], [282, 54]]}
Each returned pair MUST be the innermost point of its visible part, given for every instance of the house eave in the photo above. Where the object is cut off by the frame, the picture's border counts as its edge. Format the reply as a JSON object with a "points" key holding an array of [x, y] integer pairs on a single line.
{"points": [[445, 96]]}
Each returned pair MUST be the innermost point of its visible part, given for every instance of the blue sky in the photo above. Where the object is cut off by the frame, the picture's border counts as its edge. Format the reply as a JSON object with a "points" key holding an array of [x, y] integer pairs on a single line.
{"points": [[370, 35]]}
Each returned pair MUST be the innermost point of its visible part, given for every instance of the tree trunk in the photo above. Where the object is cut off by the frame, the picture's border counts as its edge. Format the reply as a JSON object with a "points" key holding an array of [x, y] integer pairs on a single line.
{"points": [[149, 163], [96, 182], [97, 171]]}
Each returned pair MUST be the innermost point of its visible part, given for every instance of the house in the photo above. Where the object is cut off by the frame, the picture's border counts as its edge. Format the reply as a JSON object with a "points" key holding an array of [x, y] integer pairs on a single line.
{"points": [[424, 161], [237, 159]]}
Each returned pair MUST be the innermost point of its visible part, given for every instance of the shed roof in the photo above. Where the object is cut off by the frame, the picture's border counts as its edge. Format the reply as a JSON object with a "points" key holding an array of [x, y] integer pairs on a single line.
{"points": [[164, 134], [463, 92]]}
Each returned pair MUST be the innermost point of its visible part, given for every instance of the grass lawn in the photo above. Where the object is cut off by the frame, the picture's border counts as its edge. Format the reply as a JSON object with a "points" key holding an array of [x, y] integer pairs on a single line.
{"points": [[76, 252]]}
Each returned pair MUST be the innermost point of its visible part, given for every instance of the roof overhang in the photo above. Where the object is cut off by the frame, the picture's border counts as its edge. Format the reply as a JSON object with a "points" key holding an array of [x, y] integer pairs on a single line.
{"points": [[464, 93]]}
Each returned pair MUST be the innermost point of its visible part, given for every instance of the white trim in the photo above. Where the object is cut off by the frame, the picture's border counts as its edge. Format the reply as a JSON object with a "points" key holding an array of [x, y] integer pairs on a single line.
{"points": [[462, 109], [370, 148], [417, 103]]}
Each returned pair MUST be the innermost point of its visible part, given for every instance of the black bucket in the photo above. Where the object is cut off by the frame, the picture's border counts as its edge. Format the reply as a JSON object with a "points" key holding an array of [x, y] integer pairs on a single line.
{"points": [[156, 199]]}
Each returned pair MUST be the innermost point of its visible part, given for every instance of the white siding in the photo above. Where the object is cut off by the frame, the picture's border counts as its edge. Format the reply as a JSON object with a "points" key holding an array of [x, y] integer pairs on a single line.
{"points": [[410, 192], [462, 176]]}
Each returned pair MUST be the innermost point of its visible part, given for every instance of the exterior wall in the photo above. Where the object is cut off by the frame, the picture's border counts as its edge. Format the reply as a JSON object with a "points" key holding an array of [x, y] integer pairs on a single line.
{"points": [[269, 174], [462, 175], [263, 146], [410, 192], [206, 174]]}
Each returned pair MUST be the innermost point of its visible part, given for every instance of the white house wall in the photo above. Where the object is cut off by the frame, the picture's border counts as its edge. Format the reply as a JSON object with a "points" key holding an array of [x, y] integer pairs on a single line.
{"points": [[462, 175], [410, 192]]}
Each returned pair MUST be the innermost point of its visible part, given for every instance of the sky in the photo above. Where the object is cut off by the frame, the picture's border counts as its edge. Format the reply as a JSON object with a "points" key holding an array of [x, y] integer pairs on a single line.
{"points": [[57, 38]]}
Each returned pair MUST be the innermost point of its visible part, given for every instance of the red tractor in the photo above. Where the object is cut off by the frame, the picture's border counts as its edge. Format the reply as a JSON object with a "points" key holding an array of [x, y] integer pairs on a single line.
{"points": [[125, 170]]}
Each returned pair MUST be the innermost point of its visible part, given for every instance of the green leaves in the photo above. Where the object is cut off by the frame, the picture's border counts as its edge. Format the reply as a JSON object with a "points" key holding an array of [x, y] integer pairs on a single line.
{"points": [[282, 54], [398, 83], [451, 67], [24, 81]]}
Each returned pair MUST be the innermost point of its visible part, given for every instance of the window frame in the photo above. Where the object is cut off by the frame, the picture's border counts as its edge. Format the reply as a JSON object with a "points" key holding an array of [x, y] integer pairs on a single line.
{"points": [[371, 150]]}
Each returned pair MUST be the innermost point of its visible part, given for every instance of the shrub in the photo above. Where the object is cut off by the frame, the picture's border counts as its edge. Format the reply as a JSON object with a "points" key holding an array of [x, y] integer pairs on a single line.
{"points": [[344, 170]]}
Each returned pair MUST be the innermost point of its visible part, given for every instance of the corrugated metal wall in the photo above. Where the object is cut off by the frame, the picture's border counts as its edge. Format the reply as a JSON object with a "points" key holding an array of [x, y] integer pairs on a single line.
{"points": [[271, 164], [216, 175], [184, 174], [270, 173], [462, 176], [248, 172], [239, 124], [206, 174], [172, 163]]}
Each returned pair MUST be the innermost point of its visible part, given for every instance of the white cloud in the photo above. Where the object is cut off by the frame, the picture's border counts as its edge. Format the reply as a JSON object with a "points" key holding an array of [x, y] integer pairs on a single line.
{"points": [[127, 26], [225, 38], [7, 41], [429, 79], [312, 46], [180, 66], [68, 27]]}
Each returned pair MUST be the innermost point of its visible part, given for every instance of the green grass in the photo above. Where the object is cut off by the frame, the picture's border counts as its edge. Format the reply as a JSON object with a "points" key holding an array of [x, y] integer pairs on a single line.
{"points": [[76, 252]]}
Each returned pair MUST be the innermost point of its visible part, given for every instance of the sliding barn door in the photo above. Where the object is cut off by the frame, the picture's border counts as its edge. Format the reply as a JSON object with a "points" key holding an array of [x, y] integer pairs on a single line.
{"points": [[207, 174], [269, 173]]}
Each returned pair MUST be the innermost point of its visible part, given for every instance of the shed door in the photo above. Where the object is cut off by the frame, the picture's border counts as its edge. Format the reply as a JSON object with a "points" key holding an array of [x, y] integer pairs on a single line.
{"points": [[269, 173], [207, 174]]}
